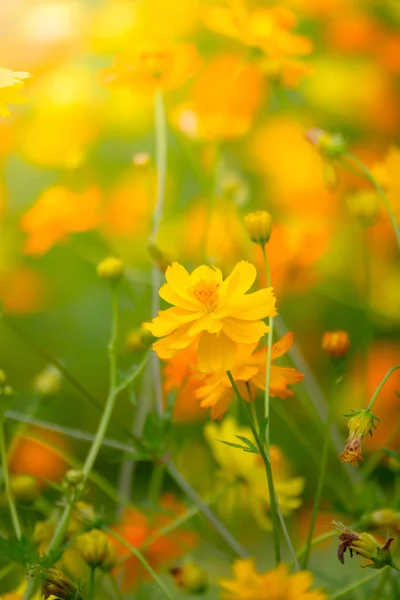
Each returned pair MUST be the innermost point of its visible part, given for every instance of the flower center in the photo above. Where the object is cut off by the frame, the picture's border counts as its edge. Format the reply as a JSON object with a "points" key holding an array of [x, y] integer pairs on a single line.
{"points": [[206, 293]]}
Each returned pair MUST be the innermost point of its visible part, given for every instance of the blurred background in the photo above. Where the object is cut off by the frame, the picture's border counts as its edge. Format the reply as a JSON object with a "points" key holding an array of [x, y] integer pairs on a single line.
{"points": [[78, 182]]}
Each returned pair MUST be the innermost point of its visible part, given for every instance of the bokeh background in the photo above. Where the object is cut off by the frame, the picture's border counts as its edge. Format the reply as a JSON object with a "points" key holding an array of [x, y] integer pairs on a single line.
{"points": [[78, 182]]}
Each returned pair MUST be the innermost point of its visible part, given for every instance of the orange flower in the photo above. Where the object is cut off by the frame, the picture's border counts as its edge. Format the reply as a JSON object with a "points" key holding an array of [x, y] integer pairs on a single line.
{"points": [[249, 369], [136, 528], [22, 290], [180, 376], [35, 453], [152, 64], [215, 313], [57, 213]]}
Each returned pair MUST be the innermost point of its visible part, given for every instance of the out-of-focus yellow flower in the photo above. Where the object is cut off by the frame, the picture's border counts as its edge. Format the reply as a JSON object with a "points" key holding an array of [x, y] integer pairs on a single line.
{"points": [[57, 213], [216, 313], [48, 381], [336, 343], [365, 205], [247, 471], [11, 84], [266, 30], [223, 101], [18, 593], [250, 369], [97, 550], [277, 584], [151, 65]]}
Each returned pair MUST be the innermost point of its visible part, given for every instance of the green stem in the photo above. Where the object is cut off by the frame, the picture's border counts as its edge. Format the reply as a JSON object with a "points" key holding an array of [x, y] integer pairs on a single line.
{"points": [[142, 560], [205, 510], [269, 354], [268, 469], [369, 177], [92, 582], [382, 383], [156, 482], [356, 584], [321, 475], [3, 456], [101, 430]]}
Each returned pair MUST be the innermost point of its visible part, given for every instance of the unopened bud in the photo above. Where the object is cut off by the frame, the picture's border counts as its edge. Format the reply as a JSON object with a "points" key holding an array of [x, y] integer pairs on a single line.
{"points": [[191, 578], [24, 487], [336, 343], [48, 381], [138, 339], [382, 518], [258, 226], [360, 424], [97, 549], [111, 269]]}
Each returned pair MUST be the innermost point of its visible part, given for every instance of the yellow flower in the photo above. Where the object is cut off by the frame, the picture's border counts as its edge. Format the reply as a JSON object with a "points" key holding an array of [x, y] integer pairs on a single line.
{"points": [[248, 472], [277, 584], [250, 369], [11, 84], [215, 313], [153, 64], [269, 31]]}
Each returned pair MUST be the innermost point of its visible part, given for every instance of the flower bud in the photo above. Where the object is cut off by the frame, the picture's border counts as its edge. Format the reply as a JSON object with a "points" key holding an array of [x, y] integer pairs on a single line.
{"points": [[57, 584], [111, 269], [330, 145], [191, 578], [48, 381], [382, 518], [336, 343], [97, 550], [24, 487], [138, 339], [258, 226]]}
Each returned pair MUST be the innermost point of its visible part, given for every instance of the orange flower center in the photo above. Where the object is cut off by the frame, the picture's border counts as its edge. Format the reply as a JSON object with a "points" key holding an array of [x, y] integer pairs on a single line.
{"points": [[206, 293]]}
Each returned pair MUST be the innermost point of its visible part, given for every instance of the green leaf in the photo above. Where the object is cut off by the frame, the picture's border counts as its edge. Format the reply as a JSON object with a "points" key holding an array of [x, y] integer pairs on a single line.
{"points": [[232, 445], [250, 445], [22, 552]]}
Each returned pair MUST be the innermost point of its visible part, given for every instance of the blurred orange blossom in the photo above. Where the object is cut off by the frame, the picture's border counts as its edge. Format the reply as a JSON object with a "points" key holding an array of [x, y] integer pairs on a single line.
{"points": [[216, 314], [57, 213]]}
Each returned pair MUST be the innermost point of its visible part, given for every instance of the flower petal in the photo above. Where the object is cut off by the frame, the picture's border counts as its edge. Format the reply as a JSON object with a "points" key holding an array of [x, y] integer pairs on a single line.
{"points": [[182, 300], [239, 281], [169, 320], [206, 273], [170, 345], [179, 281], [215, 352], [257, 305], [244, 332], [282, 346], [205, 323]]}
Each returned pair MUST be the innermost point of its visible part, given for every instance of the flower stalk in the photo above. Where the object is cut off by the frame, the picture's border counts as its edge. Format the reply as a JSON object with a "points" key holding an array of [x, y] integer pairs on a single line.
{"points": [[6, 476]]}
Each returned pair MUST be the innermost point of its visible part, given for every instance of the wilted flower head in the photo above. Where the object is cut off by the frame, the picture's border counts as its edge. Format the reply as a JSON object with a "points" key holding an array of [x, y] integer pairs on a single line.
{"points": [[11, 84], [215, 313], [365, 545], [359, 425]]}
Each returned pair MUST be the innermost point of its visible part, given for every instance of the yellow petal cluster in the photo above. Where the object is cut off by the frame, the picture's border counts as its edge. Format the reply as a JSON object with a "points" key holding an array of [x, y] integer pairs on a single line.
{"points": [[248, 472], [278, 584], [215, 314]]}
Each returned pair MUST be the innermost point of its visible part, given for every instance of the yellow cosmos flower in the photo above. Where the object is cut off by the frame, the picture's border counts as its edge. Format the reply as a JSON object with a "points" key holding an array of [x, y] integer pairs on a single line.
{"points": [[249, 369], [277, 584], [11, 84], [216, 313], [153, 64], [247, 471]]}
